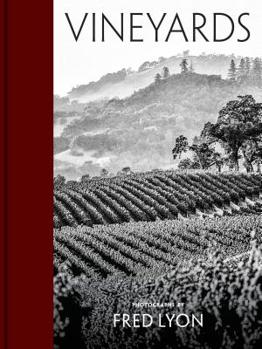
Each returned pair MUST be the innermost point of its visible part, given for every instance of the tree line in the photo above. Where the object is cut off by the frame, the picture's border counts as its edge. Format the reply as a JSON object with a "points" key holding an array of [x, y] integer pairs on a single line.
{"points": [[248, 70], [60, 180]]}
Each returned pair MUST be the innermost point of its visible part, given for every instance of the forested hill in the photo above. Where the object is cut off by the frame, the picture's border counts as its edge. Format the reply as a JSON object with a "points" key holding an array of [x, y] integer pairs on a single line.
{"points": [[181, 101], [126, 81], [139, 131]]}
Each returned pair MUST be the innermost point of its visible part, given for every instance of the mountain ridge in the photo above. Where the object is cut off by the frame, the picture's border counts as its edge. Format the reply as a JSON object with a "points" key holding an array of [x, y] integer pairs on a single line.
{"points": [[126, 81]]}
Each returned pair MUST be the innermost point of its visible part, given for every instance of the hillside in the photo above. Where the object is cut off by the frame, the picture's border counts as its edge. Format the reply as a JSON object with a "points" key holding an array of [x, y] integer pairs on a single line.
{"points": [[126, 81], [132, 248], [139, 131], [211, 288], [156, 195], [185, 242]]}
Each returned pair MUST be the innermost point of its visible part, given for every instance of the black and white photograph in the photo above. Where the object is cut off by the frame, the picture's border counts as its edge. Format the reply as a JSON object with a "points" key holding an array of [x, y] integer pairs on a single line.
{"points": [[157, 155]]}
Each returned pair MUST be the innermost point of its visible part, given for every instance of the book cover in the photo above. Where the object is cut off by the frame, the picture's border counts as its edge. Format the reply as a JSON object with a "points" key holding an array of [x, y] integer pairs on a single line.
{"points": [[157, 154]]}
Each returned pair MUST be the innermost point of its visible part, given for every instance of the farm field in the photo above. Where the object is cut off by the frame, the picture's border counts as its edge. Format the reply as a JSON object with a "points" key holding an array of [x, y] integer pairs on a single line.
{"points": [[157, 195], [163, 262], [164, 237], [209, 286], [133, 247]]}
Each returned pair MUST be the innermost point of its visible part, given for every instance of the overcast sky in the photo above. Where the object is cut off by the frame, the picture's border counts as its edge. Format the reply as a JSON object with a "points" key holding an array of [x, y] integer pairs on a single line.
{"points": [[80, 62]]}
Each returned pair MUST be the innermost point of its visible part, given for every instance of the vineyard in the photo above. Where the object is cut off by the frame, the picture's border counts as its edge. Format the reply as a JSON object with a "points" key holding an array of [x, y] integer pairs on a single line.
{"points": [[228, 295], [133, 247], [157, 195], [163, 237]]}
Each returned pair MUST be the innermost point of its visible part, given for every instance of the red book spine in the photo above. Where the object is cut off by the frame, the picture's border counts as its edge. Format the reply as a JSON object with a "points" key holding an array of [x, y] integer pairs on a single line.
{"points": [[28, 171], [2, 176]]}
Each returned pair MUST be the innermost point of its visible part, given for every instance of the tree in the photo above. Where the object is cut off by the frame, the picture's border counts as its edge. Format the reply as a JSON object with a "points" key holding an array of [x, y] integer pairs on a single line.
{"points": [[191, 67], [218, 161], [157, 78], [203, 154], [126, 170], [188, 164], [104, 172], [247, 67], [229, 161], [241, 71], [181, 146], [252, 153], [206, 133], [144, 66], [85, 178], [184, 66], [239, 121], [166, 72], [256, 73], [232, 72]]}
